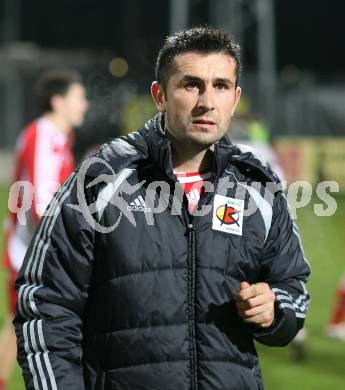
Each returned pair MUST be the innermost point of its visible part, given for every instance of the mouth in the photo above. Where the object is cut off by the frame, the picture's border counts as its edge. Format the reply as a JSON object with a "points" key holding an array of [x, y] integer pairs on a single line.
{"points": [[203, 122]]}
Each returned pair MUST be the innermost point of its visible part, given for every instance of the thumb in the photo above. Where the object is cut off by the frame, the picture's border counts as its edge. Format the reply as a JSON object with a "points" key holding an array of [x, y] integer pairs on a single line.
{"points": [[244, 285]]}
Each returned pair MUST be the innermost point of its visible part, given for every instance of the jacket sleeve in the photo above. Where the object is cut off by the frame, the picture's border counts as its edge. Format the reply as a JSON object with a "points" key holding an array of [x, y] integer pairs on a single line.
{"points": [[52, 288], [285, 269]]}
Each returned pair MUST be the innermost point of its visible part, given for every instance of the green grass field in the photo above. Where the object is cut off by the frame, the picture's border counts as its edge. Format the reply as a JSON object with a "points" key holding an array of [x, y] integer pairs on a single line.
{"points": [[324, 244], [324, 368]]}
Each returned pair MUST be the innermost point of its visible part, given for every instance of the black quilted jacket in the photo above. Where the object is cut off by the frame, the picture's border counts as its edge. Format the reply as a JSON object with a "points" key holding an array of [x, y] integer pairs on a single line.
{"points": [[122, 289]]}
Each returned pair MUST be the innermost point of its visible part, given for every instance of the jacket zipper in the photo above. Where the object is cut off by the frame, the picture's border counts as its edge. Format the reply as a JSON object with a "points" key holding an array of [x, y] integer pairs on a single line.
{"points": [[190, 220], [192, 292]]}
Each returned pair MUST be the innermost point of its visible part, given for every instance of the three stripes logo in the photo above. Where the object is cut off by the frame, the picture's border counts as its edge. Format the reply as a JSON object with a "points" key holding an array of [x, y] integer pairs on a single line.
{"points": [[193, 197], [139, 204]]}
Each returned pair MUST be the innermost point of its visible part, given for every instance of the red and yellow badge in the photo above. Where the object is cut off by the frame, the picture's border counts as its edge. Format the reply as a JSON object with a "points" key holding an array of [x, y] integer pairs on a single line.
{"points": [[228, 214]]}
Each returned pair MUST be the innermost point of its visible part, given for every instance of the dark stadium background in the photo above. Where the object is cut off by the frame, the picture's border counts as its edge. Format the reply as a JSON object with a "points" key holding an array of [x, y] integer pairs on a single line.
{"points": [[310, 34], [309, 45]]}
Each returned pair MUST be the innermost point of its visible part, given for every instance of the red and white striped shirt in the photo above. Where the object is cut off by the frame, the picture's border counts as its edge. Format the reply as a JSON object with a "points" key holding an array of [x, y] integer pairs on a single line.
{"points": [[192, 185], [43, 158]]}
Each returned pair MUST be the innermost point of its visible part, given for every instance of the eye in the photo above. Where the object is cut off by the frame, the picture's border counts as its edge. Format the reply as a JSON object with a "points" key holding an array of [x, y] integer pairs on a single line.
{"points": [[191, 85], [220, 86]]}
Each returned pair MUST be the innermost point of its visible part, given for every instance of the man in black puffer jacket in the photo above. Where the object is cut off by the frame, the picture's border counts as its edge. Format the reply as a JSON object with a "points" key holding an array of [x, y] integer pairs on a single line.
{"points": [[166, 253]]}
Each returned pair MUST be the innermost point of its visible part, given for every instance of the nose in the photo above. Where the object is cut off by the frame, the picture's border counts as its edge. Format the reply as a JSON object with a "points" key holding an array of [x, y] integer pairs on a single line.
{"points": [[87, 105], [84, 105], [206, 99]]}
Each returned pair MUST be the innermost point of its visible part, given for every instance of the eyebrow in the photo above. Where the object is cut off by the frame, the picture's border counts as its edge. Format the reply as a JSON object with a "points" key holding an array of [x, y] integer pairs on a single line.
{"points": [[198, 79]]}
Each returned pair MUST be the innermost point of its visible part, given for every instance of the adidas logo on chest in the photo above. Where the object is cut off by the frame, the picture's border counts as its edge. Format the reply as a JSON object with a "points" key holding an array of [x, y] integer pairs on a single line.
{"points": [[139, 204]]}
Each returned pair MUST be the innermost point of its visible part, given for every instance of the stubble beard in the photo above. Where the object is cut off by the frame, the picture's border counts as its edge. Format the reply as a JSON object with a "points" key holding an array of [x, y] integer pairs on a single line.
{"points": [[202, 139], [198, 140]]}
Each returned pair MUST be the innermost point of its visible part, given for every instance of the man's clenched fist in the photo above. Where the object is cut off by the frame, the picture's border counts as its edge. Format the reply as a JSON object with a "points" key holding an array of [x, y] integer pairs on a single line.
{"points": [[255, 304]]}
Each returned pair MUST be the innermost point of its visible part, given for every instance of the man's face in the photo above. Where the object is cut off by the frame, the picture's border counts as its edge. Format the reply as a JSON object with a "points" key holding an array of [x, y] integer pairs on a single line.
{"points": [[200, 97], [73, 105]]}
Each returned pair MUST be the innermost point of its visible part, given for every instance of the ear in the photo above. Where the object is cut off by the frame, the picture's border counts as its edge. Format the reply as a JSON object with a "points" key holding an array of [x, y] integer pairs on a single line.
{"points": [[158, 96], [237, 99], [55, 102]]}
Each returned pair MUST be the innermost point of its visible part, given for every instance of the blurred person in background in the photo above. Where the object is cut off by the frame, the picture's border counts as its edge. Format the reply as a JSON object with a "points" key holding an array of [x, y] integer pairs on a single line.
{"points": [[336, 325], [249, 130], [167, 298], [43, 158]]}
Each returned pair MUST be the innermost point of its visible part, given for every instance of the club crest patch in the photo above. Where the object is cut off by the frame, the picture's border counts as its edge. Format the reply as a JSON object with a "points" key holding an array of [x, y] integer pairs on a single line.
{"points": [[228, 214]]}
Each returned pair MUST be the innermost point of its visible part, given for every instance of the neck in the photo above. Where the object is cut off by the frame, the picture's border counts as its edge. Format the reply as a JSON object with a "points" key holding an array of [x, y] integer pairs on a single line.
{"points": [[187, 158], [60, 124]]}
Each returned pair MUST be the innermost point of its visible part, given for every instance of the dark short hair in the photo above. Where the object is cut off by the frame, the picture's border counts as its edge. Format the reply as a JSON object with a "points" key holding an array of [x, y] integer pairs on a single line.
{"points": [[203, 40], [55, 82]]}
